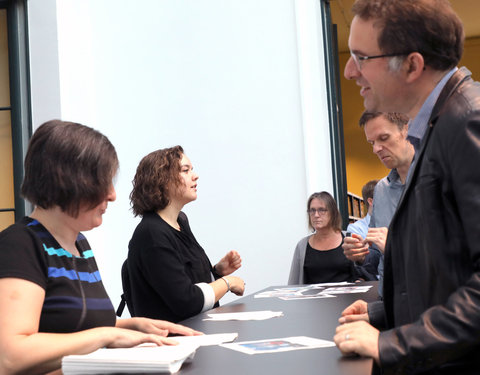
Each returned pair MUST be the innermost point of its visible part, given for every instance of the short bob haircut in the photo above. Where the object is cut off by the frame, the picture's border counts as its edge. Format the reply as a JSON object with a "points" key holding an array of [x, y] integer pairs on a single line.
{"points": [[156, 173], [429, 27], [335, 217], [68, 165]]}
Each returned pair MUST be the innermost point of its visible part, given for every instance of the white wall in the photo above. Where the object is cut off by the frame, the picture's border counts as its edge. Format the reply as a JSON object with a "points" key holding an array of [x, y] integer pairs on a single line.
{"points": [[43, 50], [239, 84]]}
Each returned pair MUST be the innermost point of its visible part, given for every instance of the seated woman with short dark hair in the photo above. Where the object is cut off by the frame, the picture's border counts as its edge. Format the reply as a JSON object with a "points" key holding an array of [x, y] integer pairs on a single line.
{"points": [[170, 276], [52, 300]]}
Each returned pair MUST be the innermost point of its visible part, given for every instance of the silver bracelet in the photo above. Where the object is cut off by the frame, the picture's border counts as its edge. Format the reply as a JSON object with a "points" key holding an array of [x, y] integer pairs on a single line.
{"points": [[226, 282]]}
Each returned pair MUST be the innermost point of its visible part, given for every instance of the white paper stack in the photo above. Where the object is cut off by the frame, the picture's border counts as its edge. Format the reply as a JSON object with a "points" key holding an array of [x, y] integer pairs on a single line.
{"points": [[143, 359]]}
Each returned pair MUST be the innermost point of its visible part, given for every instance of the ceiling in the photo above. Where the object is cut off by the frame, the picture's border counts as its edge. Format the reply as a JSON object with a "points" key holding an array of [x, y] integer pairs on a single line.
{"points": [[467, 10]]}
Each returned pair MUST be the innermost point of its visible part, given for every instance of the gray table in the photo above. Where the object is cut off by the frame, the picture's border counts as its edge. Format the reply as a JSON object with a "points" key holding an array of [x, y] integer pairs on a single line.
{"points": [[314, 318]]}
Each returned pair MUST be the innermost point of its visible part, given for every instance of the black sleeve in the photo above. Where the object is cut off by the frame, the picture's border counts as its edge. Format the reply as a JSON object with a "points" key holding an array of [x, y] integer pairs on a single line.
{"points": [[22, 255]]}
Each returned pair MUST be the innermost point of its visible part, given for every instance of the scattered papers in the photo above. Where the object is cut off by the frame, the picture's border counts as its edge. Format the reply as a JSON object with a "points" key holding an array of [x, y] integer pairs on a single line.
{"points": [[141, 359], [301, 296], [206, 340], [280, 292], [325, 290], [249, 315], [279, 345], [348, 289]]}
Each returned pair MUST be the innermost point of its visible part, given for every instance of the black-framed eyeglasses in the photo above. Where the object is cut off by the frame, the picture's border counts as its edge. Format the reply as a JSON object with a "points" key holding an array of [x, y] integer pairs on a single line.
{"points": [[320, 211], [358, 60]]}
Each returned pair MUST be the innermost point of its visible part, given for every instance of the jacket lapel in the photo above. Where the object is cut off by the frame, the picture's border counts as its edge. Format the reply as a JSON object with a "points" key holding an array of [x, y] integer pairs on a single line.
{"points": [[458, 77]]}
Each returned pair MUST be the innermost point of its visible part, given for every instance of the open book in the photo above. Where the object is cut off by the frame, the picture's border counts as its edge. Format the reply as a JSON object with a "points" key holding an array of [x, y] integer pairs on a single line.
{"points": [[141, 359]]}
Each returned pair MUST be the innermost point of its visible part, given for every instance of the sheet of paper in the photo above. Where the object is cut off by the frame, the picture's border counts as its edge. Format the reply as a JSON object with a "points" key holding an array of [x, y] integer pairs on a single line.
{"points": [[206, 340], [278, 345], [348, 289], [341, 283], [302, 296], [279, 292], [248, 315]]}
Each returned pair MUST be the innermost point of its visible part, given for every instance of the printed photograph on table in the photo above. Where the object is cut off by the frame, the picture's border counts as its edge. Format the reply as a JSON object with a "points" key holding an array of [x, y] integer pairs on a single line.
{"points": [[325, 290], [278, 345]]}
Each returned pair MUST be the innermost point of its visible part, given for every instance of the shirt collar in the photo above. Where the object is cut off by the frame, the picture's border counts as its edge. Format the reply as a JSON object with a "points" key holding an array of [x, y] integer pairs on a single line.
{"points": [[393, 176], [418, 126]]}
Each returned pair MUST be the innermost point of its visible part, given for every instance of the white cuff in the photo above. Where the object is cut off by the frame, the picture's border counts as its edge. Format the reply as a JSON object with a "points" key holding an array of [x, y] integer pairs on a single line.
{"points": [[208, 296]]}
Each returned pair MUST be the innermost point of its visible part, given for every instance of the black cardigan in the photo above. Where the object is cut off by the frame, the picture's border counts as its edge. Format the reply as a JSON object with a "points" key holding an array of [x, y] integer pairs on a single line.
{"points": [[164, 265]]}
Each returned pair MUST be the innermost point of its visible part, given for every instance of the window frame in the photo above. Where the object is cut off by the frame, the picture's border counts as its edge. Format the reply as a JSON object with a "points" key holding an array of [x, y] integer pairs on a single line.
{"points": [[334, 97], [20, 112]]}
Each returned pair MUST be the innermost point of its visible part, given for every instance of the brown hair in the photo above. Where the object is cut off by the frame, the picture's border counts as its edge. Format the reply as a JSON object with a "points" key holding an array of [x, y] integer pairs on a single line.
{"points": [[68, 165], [367, 192], [429, 27], [395, 118], [155, 174], [335, 217]]}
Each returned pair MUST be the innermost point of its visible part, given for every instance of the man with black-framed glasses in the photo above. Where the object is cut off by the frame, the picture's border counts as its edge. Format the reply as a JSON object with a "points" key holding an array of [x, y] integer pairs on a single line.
{"points": [[429, 319], [358, 59]]}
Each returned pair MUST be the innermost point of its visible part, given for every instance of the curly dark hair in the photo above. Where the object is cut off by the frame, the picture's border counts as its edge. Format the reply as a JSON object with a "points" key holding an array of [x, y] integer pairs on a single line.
{"points": [[155, 175], [68, 165], [429, 27], [335, 217]]}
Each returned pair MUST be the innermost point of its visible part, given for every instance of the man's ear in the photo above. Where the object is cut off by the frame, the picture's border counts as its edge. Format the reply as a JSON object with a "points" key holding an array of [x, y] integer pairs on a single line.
{"points": [[414, 66], [370, 202]]}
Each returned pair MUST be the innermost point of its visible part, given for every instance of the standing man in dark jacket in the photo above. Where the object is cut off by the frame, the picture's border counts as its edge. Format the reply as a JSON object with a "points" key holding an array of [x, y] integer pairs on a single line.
{"points": [[404, 57]]}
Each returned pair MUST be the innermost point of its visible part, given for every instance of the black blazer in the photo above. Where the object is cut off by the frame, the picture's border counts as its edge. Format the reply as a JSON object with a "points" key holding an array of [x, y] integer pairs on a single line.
{"points": [[432, 256]]}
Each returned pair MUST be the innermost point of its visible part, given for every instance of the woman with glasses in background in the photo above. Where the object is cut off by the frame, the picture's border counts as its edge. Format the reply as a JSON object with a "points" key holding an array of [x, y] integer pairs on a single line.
{"points": [[319, 257]]}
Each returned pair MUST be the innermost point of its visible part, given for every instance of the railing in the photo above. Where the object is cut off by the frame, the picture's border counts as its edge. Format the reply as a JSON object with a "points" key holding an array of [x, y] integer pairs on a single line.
{"points": [[6, 217], [356, 208]]}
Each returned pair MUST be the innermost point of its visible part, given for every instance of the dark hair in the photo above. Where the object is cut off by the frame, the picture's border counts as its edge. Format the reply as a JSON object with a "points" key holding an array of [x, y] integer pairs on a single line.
{"points": [[395, 118], [68, 165], [335, 217], [155, 174], [429, 27], [367, 192]]}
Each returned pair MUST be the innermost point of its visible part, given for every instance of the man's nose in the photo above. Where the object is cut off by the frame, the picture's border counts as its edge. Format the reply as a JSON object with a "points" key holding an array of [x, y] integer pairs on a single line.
{"points": [[377, 148], [351, 71]]}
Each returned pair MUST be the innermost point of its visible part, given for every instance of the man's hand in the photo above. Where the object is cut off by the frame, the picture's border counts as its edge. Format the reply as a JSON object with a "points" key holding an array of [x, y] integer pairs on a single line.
{"points": [[355, 248], [377, 236], [358, 337], [355, 312]]}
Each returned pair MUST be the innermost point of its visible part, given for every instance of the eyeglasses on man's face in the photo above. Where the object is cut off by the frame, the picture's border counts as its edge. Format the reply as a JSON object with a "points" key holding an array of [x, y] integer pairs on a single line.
{"points": [[320, 211], [358, 60]]}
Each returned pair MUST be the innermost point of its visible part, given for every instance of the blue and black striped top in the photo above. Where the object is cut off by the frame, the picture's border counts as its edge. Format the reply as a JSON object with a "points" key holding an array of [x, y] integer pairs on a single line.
{"points": [[75, 298]]}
